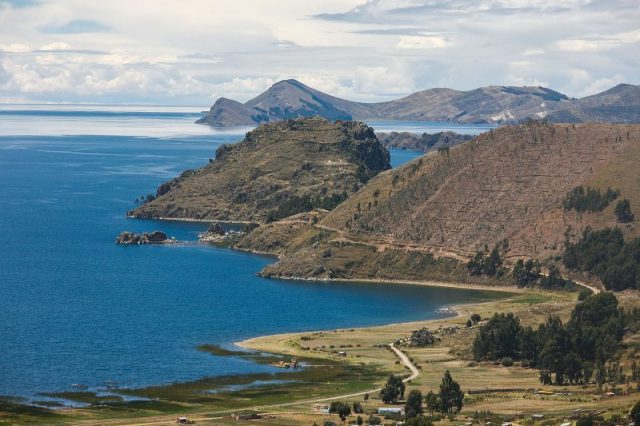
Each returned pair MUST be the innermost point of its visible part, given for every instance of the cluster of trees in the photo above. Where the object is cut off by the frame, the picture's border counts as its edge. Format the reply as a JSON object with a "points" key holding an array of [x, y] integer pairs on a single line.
{"points": [[528, 273], [587, 199], [447, 401], [572, 352], [393, 390], [487, 262], [421, 338], [296, 204], [606, 254]]}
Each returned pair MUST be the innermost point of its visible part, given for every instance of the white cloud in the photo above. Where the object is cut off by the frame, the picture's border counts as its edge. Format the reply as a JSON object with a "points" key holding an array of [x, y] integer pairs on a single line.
{"points": [[190, 52], [422, 42], [56, 45], [15, 48]]}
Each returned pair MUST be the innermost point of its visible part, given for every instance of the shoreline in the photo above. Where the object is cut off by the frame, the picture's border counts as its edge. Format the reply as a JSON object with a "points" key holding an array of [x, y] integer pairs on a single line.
{"points": [[423, 283], [186, 219], [457, 311]]}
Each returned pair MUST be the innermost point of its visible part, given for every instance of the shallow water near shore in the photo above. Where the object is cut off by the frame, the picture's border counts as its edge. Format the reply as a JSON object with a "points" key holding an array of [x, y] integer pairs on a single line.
{"points": [[78, 309]]}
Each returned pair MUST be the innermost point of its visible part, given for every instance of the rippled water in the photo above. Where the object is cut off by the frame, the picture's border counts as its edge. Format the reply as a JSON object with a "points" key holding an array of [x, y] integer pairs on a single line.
{"points": [[76, 308]]}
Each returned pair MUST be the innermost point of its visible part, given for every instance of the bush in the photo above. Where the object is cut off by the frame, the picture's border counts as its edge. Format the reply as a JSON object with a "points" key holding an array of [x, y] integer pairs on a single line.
{"points": [[623, 211], [634, 414], [374, 420], [584, 294], [506, 361]]}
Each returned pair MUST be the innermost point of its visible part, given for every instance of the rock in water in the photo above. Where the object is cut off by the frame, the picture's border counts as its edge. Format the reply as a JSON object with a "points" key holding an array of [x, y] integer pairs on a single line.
{"points": [[155, 237]]}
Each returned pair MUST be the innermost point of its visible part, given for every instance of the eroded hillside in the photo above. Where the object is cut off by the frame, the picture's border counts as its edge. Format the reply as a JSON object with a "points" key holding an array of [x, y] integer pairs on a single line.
{"points": [[506, 184]]}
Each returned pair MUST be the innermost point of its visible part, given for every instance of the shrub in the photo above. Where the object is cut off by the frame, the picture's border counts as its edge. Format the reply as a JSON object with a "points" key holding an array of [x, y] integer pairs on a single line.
{"points": [[374, 420], [506, 361], [623, 211]]}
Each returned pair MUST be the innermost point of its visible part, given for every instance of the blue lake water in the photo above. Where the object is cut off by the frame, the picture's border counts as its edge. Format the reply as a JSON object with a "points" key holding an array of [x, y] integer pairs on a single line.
{"points": [[76, 308]]}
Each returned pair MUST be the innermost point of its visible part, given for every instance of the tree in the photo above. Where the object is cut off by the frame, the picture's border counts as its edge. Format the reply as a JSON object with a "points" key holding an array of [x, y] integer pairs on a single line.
{"points": [[585, 421], [475, 318], [414, 403], [623, 211], [342, 409], [359, 420], [601, 375], [374, 420], [545, 377], [634, 414], [498, 338], [393, 390], [433, 402], [451, 396], [357, 408]]}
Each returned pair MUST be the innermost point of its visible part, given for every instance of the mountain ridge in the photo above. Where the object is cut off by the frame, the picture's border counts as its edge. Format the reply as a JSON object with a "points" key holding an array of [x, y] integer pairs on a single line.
{"points": [[491, 104]]}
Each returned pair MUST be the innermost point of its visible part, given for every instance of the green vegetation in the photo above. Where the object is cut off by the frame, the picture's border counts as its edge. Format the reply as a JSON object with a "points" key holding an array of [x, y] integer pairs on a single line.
{"points": [[527, 274], [489, 263], [623, 211], [451, 396], [342, 409], [589, 199], [305, 203], [587, 343], [634, 414], [393, 390], [605, 254], [413, 406]]}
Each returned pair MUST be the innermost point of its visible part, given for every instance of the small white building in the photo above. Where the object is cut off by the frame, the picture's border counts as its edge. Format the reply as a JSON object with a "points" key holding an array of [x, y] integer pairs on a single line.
{"points": [[391, 410]]}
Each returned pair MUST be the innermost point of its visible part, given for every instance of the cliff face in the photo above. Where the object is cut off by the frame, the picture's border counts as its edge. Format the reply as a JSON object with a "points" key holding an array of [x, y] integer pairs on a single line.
{"points": [[493, 104], [277, 170], [509, 184]]}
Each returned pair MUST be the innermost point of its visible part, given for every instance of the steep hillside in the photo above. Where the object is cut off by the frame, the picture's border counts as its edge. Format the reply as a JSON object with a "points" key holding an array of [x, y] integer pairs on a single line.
{"points": [[277, 170], [493, 104], [509, 184]]}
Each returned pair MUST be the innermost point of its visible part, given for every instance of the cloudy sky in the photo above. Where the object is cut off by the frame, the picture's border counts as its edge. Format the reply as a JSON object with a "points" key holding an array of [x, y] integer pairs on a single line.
{"points": [[189, 52]]}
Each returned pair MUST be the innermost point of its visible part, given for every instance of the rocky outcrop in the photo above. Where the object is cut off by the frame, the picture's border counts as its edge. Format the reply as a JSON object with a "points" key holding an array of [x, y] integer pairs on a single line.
{"points": [[155, 237], [492, 104]]}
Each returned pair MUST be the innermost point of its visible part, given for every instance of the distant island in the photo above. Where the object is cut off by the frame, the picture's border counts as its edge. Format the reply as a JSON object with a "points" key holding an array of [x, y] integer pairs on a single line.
{"points": [[492, 104], [424, 143]]}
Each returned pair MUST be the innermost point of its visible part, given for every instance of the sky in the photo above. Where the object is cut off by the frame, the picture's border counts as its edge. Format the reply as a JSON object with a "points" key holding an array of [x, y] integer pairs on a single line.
{"points": [[190, 52]]}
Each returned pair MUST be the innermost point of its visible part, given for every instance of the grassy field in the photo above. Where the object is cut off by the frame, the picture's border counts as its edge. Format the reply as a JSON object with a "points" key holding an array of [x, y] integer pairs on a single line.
{"points": [[503, 391]]}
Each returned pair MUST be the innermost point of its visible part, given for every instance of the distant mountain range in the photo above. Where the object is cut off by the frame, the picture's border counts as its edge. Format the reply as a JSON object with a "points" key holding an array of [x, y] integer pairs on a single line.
{"points": [[493, 104]]}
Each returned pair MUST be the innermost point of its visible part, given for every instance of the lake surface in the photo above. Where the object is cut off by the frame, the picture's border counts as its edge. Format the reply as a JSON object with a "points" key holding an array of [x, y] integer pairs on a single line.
{"points": [[76, 308]]}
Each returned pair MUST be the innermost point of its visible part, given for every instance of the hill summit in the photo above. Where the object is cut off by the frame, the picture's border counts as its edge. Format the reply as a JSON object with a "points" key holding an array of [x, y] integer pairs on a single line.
{"points": [[278, 169], [492, 104]]}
